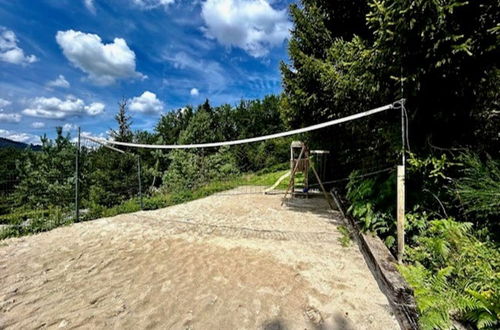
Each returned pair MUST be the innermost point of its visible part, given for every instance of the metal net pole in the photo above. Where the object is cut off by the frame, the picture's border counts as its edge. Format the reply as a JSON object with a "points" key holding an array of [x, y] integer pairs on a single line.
{"points": [[77, 179], [140, 181]]}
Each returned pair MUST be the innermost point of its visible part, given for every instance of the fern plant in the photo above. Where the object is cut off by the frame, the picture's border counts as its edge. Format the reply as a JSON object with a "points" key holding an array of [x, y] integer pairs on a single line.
{"points": [[479, 186], [478, 191], [432, 294], [454, 276], [371, 205]]}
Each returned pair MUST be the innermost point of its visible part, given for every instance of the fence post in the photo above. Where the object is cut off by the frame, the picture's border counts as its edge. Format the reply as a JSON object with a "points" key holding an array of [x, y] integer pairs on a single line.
{"points": [[401, 211], [139, 178], [77, 179]]}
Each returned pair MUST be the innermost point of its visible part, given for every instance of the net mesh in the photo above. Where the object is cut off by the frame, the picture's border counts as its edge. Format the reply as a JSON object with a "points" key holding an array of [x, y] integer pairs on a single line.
{"points": [[116, 177], [39, 192]]}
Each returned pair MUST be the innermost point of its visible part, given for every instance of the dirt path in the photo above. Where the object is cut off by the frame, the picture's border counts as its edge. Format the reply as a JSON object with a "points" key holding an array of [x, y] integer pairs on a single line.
{"points": [[229, 261]]}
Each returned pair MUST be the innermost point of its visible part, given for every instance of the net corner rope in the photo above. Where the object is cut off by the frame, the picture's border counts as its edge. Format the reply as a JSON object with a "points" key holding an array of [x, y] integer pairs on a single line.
{"points": [[395, 105]]}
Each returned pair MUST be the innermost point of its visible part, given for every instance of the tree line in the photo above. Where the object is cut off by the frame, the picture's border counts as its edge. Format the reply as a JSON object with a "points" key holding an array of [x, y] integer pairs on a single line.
{"points": [[46, 177]]}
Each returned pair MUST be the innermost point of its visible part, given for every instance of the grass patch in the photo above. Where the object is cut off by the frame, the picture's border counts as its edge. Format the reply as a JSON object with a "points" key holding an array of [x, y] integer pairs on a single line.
{"points": [[36, 222], [345, 240]]}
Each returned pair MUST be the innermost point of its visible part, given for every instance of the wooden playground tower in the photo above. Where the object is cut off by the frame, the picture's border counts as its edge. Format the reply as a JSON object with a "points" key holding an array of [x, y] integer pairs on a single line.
{"points": [[300, 162]]}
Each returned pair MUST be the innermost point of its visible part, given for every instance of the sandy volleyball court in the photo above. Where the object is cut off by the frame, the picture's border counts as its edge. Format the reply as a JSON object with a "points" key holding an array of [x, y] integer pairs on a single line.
{"points": [[229, 261]]}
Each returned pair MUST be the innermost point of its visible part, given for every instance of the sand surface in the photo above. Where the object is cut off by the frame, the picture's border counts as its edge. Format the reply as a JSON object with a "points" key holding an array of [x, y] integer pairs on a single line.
{"points": [[229, 261]]}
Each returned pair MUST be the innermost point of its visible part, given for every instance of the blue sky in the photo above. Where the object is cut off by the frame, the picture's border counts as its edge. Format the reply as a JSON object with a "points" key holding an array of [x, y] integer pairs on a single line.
{"points": [[68, 62]]}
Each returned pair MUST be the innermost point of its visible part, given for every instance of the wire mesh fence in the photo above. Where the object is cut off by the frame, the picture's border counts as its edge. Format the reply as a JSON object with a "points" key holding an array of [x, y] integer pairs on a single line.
{"points": [[34, 203], [74, 181]]}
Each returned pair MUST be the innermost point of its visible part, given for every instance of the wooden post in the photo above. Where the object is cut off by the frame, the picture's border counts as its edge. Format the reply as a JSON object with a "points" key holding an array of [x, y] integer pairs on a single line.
{"points": [[401, 211], [292, 175], [321, 185]]}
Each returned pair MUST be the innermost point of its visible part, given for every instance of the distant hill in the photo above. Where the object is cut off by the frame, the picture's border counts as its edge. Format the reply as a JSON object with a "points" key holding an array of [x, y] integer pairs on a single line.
{"points": [[6, 143]]}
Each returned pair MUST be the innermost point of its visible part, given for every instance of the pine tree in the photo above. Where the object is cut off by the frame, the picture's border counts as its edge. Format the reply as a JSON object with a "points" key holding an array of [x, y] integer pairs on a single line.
{"points": [[124, 132]]}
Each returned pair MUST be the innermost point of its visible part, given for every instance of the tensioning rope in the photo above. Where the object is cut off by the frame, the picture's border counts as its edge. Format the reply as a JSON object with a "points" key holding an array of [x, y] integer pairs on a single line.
{"points": [[364, 175], [250, 140]]}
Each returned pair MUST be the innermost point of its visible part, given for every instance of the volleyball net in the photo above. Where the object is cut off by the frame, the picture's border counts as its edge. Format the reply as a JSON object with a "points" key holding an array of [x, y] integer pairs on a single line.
{"points": [[113, 176], [115, 172]]}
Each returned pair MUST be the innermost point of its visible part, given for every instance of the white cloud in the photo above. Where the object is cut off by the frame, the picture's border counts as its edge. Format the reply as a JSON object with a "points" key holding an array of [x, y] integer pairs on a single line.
{"points": [[104, 63], [4, 103], [253, 25], [55, 108], [10, 51], [38, 124], [151, 4], [103, 136], [90, 5], [59, 82], [20, 137], [95, 108], [10, 117], [208, 73], [194, 92], [69, 127], [146, 103]]}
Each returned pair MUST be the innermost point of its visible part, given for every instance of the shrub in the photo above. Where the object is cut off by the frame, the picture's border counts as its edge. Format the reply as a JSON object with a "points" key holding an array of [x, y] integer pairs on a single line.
{"points": [[429, 184], [478, 188], [190, 170], [454, 275], [372, 204], [36, 222]]}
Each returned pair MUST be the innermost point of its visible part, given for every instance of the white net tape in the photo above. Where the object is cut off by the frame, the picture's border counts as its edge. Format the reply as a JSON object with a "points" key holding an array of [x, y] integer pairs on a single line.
{"points": [[249, 140]]}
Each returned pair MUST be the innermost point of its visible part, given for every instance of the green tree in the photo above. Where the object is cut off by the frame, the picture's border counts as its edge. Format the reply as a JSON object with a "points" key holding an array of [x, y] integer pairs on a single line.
{"points": [[47, 176], [445, 52], [111, 177], [124, 121], [173, 123], [203, 127], [9, 157]]}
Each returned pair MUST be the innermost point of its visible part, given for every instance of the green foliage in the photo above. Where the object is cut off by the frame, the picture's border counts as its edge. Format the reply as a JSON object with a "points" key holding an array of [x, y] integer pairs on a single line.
{"points": [[432, 167], [434, 298], [109, 177], [190, 170], [8, 159], [162, 199], [21, 224], [20, 216], [463, 186], [445, 52], [267, 177], [202, 127], [345, 239], [416, 221], [371, 204], [478, 188], [171, 124], [124, 121], [46, 177], [430, 184], [38, 182], [454, 275]]}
